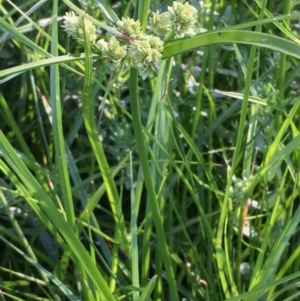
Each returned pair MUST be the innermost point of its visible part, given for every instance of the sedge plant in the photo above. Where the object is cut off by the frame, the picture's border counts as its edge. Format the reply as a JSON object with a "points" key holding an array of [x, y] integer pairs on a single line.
{"points": [[149, 151]]}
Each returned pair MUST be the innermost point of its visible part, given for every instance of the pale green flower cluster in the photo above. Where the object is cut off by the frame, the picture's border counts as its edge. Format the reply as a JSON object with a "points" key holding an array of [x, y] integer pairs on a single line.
{"points": [[240, 186], [112, 52], [160, 24], [130, 28], [180, 18], [142, 51], [184, 18], [74, 27], [145, 55]]}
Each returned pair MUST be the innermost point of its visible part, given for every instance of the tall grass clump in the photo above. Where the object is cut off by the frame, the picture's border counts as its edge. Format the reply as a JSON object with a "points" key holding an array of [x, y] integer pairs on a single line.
{"points": [[149, 150]]}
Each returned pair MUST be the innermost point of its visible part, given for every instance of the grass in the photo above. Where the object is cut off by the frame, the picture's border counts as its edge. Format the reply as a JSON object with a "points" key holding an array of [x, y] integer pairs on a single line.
{"points": [[184, 186]]}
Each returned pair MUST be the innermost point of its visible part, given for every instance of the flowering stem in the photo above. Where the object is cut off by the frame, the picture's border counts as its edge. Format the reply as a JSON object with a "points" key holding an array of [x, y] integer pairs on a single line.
{"points": [[143, 154], [88, 109]]}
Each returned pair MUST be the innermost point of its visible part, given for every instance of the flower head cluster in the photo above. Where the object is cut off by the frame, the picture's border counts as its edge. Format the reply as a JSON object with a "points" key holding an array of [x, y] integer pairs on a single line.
{"points": [[160, 24], [184, 18], [75, 25], [143, 51], [145, 55], [241, 185], [181, 18], [130, 28], [113, 52]]}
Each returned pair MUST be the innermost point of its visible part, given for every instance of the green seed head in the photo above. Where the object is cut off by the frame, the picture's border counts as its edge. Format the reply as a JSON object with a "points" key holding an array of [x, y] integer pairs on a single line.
{"points": [[145, 55], [160, 24], [184, 18], [130, 27], [74, 27], [112, 52]]}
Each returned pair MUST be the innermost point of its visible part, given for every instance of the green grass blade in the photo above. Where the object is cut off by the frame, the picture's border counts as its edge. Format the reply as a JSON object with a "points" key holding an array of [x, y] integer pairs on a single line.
{"points": [[145, 296], [134, 240], [58, 136], [6, 27], [41, 63], [143, 12], [224, 36]]}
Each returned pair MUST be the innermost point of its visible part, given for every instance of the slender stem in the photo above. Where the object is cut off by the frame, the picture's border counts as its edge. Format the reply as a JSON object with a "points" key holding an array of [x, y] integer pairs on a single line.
{"points": [[143, 154]]}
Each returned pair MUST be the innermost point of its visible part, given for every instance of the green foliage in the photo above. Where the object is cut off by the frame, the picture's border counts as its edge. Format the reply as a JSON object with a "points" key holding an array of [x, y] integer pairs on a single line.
{"points": [[174, 179]]}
